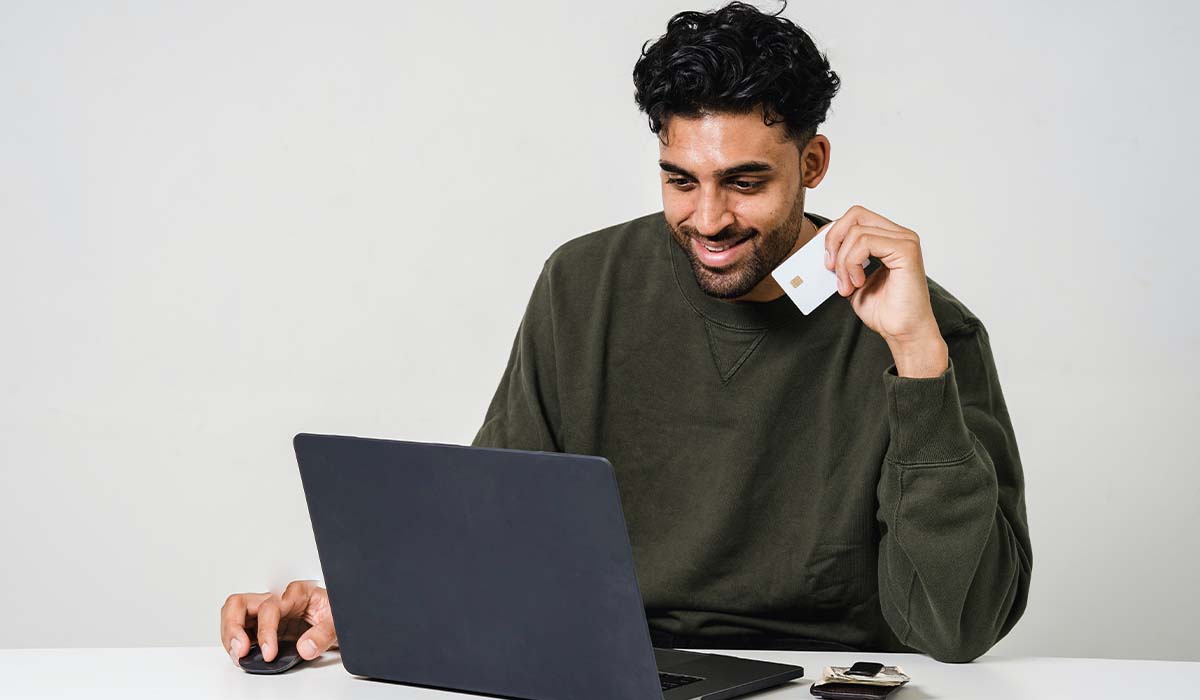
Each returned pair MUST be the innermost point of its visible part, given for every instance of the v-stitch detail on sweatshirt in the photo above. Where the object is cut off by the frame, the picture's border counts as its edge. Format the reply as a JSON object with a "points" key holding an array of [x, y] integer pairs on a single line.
{"points": [[731, 348]]}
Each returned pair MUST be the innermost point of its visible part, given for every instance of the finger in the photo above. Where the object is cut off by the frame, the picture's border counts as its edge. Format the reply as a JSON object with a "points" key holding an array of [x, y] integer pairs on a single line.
{"points": [[294, 599], [855, 215], [233, 626], [268, 627], [833, 241], [836, 240], [254, 600], [868, 244], [852, 234], [290, 628], [881, 243], [233, 633], [316, 640], [862, 243], [859, 214]]}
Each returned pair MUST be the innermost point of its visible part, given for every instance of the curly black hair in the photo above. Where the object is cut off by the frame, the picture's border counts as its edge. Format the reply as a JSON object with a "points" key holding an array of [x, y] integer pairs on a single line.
{"points": [[735, 59]]}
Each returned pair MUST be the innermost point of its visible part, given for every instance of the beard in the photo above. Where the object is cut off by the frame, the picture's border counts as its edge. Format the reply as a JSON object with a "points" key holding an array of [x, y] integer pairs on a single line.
{"points": [[765, 253]]}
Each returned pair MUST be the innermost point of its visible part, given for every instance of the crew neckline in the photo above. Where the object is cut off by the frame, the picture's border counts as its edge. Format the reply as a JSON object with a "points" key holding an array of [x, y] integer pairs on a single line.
{"points": [[743, 315]]}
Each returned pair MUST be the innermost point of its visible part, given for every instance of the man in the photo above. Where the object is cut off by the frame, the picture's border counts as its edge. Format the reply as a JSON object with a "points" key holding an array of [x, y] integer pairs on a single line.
{"points": [[847, 479]]}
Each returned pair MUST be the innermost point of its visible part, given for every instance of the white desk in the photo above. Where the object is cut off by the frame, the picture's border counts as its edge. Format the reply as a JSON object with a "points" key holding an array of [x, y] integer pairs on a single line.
{"points": [[206, 672]]}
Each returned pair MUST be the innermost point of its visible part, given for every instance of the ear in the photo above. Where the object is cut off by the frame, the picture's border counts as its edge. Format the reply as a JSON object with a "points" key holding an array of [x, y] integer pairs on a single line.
{"points": [[814, 161]]}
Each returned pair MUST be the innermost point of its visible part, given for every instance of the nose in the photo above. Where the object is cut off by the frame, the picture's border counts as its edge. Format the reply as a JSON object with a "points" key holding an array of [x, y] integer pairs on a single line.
{"points": [[711, 215]]}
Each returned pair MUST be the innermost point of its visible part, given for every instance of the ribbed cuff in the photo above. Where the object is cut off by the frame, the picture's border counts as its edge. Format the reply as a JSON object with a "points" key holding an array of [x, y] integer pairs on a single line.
{"points": [[926, 419]]}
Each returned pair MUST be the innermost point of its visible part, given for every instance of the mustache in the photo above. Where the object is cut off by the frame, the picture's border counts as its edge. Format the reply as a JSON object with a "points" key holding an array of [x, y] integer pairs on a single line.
{"points": [[728, 234]]}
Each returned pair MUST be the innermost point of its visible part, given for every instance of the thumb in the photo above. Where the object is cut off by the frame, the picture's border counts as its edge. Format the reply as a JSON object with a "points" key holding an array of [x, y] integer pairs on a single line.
{"points": [[316, 640]]}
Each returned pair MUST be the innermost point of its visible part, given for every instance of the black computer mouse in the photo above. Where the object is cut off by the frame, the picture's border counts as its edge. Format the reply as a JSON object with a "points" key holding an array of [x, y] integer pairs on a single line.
{"points": [[287, 658]]}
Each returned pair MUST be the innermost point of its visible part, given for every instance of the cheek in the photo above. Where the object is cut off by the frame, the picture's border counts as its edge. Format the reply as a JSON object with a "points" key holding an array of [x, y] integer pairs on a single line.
{"points": [[765, 212], [677, 206], [756, 215]]}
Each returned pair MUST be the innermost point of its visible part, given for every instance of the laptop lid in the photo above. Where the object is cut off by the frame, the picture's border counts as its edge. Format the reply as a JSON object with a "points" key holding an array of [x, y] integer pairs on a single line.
{"points": [[485, 570]]}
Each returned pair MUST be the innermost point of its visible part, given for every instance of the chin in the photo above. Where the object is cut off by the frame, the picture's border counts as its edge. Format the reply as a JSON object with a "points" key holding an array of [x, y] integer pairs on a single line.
{"points": [[723, 285]]}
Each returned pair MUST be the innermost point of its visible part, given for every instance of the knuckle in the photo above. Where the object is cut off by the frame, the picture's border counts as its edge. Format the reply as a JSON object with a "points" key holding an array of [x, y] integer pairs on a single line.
{"points": [[294, 590], [321, 635]]}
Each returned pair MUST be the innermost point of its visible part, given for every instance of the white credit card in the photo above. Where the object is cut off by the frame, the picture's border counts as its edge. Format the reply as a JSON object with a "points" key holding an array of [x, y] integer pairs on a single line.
{"points": [[803, 275]]}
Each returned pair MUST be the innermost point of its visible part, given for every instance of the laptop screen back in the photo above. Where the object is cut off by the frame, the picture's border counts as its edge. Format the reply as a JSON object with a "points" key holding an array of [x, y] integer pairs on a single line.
{"points": [[492, 571]]}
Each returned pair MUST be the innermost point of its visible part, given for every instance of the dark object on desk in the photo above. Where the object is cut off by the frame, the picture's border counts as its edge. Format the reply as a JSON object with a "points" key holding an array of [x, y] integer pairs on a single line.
{"points": [[492, 571], [287, 658], [864, 668], [852, 691]]}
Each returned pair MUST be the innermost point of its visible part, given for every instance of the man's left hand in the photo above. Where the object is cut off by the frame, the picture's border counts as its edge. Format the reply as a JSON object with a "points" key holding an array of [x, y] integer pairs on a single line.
{"points": [[894, 300]]}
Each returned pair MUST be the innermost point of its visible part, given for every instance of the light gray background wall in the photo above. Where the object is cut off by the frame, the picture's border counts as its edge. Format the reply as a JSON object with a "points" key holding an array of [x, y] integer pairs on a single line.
{"points": [[223, 223]]}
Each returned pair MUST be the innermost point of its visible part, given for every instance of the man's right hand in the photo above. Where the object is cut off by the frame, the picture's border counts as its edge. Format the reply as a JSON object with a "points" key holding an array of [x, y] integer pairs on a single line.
{"points": [[301, 613]]}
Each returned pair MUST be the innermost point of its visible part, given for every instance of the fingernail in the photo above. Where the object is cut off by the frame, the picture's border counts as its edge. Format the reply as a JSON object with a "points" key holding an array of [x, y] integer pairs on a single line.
{"points": [[234, 647], [309, 648], [826, 257]]}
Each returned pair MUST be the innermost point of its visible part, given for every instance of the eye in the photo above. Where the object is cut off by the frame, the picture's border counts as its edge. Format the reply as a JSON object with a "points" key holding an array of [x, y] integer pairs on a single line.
{"points": [[678, 181], [747, 185]]}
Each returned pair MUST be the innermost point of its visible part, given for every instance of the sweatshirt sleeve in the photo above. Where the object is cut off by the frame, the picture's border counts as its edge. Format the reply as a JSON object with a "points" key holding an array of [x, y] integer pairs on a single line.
{"points": [[524, 412], [955, 556]]}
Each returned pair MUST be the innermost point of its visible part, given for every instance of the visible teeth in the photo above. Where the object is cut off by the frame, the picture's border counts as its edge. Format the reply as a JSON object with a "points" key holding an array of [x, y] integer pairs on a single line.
{"points": [[715, 250]]}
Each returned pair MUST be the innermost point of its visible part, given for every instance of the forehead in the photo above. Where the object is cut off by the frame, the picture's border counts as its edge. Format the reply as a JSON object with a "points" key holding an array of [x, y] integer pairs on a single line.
{"points": [[713, 141]]}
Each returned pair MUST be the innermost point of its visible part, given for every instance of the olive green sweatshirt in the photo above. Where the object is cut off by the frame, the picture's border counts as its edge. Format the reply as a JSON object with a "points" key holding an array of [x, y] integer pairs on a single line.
{"points": [[783, 487]]}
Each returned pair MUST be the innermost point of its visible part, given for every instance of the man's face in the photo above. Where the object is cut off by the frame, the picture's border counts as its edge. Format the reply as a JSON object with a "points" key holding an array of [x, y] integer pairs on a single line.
{"points": [[733, 196]]}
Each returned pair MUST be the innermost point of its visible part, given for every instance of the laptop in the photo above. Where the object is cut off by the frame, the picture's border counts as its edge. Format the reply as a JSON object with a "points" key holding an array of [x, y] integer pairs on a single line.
{"points": [[495, 572]]}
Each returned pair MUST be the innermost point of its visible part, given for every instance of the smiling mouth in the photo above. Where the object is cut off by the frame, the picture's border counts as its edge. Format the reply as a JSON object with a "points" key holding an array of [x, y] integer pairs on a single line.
{"points": [[727, 246], [719, 257]]}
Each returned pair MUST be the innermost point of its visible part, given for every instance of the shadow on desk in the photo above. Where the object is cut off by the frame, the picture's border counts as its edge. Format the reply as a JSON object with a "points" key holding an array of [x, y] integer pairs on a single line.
{"points": [[329, 658]]}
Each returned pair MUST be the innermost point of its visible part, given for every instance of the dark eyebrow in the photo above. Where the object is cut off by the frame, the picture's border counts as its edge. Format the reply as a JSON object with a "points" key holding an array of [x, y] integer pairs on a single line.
{"points": [[753, 166]]}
